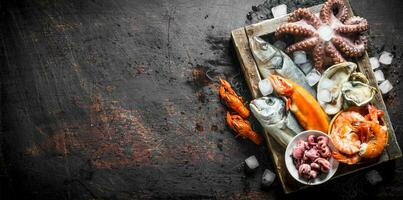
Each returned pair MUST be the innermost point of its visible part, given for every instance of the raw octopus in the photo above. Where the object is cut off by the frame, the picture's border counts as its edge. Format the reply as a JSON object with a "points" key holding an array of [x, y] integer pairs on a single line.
{"points": [[330, 35], [311, 157]]}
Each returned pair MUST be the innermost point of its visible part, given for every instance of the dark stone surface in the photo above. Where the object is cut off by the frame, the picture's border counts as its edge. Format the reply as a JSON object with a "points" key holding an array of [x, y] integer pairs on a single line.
{"points": [[110, 100]]}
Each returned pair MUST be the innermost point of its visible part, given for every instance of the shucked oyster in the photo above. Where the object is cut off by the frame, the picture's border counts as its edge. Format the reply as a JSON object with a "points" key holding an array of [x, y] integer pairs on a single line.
{"points": [[358, 76], [357, 93], [331, 83]]}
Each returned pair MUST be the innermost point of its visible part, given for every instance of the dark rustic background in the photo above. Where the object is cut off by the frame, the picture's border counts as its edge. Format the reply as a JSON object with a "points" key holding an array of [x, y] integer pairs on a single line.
{"points": [[109, 99]]}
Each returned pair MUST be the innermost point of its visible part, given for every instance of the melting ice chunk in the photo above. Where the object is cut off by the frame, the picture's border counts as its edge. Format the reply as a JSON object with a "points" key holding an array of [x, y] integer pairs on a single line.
{"points": [[265, 87], [313, 77], [268, 178], [279, 10], [374, 62], [386, 58], [300, 57], [379, 77], [305, 67], [373, 177], [385, 86], [325, 32], [325, 96], [280, 44], [252, 163]]}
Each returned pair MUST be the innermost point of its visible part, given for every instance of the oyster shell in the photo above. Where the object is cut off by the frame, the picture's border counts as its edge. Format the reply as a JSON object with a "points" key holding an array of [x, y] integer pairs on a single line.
{"points": [[357, 93], [332, 80], [358, 76]]}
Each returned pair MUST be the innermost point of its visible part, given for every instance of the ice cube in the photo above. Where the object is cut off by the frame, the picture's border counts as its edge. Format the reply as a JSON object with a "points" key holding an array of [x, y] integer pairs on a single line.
{"points": [[385, 86], [325, 32], [306, 67], [265, 87], [374, 62], [324, 96], [280, 44], [300, 57], [252, 163], [379, 77], [313, 77], [268, 178], [279, 10], [386, 58], [373, 177]]}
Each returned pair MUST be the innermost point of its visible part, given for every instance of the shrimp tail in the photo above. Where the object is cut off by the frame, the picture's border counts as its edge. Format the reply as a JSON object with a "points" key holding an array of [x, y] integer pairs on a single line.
{"points": [[350, 160]]}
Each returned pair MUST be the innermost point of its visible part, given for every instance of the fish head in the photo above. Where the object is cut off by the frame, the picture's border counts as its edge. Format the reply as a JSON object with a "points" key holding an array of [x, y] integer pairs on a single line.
{"points": [[281, 86], [266, 55], [270, 110]]}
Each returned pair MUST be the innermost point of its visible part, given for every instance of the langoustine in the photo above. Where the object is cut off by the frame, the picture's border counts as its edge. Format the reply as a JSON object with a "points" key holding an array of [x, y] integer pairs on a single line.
{"points": [[242, 127], [306, 109], [358, 137], [232, 100]]}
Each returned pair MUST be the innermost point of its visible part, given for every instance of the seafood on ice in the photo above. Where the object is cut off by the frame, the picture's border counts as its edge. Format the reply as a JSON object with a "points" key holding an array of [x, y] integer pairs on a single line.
{"points": [[356, 136], [271, 60], [306, 109], [232, 100], [242, 127], [311, 157], [357, 93], [331, 82], [329, 36], [272, 115]]}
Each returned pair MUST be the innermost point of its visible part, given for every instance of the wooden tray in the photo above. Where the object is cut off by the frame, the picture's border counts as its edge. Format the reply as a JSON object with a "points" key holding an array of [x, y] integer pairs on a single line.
{"points": [[240, 39]]}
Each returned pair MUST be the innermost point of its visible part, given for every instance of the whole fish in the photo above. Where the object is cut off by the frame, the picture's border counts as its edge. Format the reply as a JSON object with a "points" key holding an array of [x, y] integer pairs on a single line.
{"points": [[271, 60], [270, 111], [304, 106]]}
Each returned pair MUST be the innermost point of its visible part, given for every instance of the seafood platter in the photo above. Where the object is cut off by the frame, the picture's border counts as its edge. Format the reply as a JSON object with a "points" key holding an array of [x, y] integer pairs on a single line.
{"points": [[315, 95]]}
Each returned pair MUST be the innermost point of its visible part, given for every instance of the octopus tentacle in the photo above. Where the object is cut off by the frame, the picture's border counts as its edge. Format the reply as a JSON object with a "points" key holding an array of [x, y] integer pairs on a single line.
{"points": [[353, 25], [302, 45], [306, 15], [333, 53], [350, 48], [327, 11], [329, 37], [294, 29], [318, 54]]}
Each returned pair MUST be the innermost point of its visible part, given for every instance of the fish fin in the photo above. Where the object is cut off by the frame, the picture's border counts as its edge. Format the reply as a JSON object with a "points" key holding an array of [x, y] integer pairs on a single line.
{"points": [[288, 103]]}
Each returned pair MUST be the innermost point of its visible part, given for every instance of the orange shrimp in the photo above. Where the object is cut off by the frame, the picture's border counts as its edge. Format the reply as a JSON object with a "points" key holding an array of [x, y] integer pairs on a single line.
{"points": [[357, 137], [242, 128], [377, 135], [304, 106], [348, 159], [232, 100], [344, 133]]}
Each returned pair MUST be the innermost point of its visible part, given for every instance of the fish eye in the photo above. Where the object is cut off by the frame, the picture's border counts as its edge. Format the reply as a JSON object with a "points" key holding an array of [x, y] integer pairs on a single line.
{"points": [[270, 102]]}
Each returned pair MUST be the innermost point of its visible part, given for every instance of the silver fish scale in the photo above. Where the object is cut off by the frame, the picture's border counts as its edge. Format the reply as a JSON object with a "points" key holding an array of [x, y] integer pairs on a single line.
{"points": [[271, 60], [271, 114]]}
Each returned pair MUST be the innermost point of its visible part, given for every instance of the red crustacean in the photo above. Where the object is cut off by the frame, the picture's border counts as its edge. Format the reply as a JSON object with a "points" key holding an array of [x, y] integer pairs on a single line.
{"points": [[357, 136], [242, 127], [232, 100]]}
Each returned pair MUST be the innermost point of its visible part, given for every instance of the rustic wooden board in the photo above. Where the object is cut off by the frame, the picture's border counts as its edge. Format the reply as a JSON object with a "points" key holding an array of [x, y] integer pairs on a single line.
{"points": [[240, 38]]}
